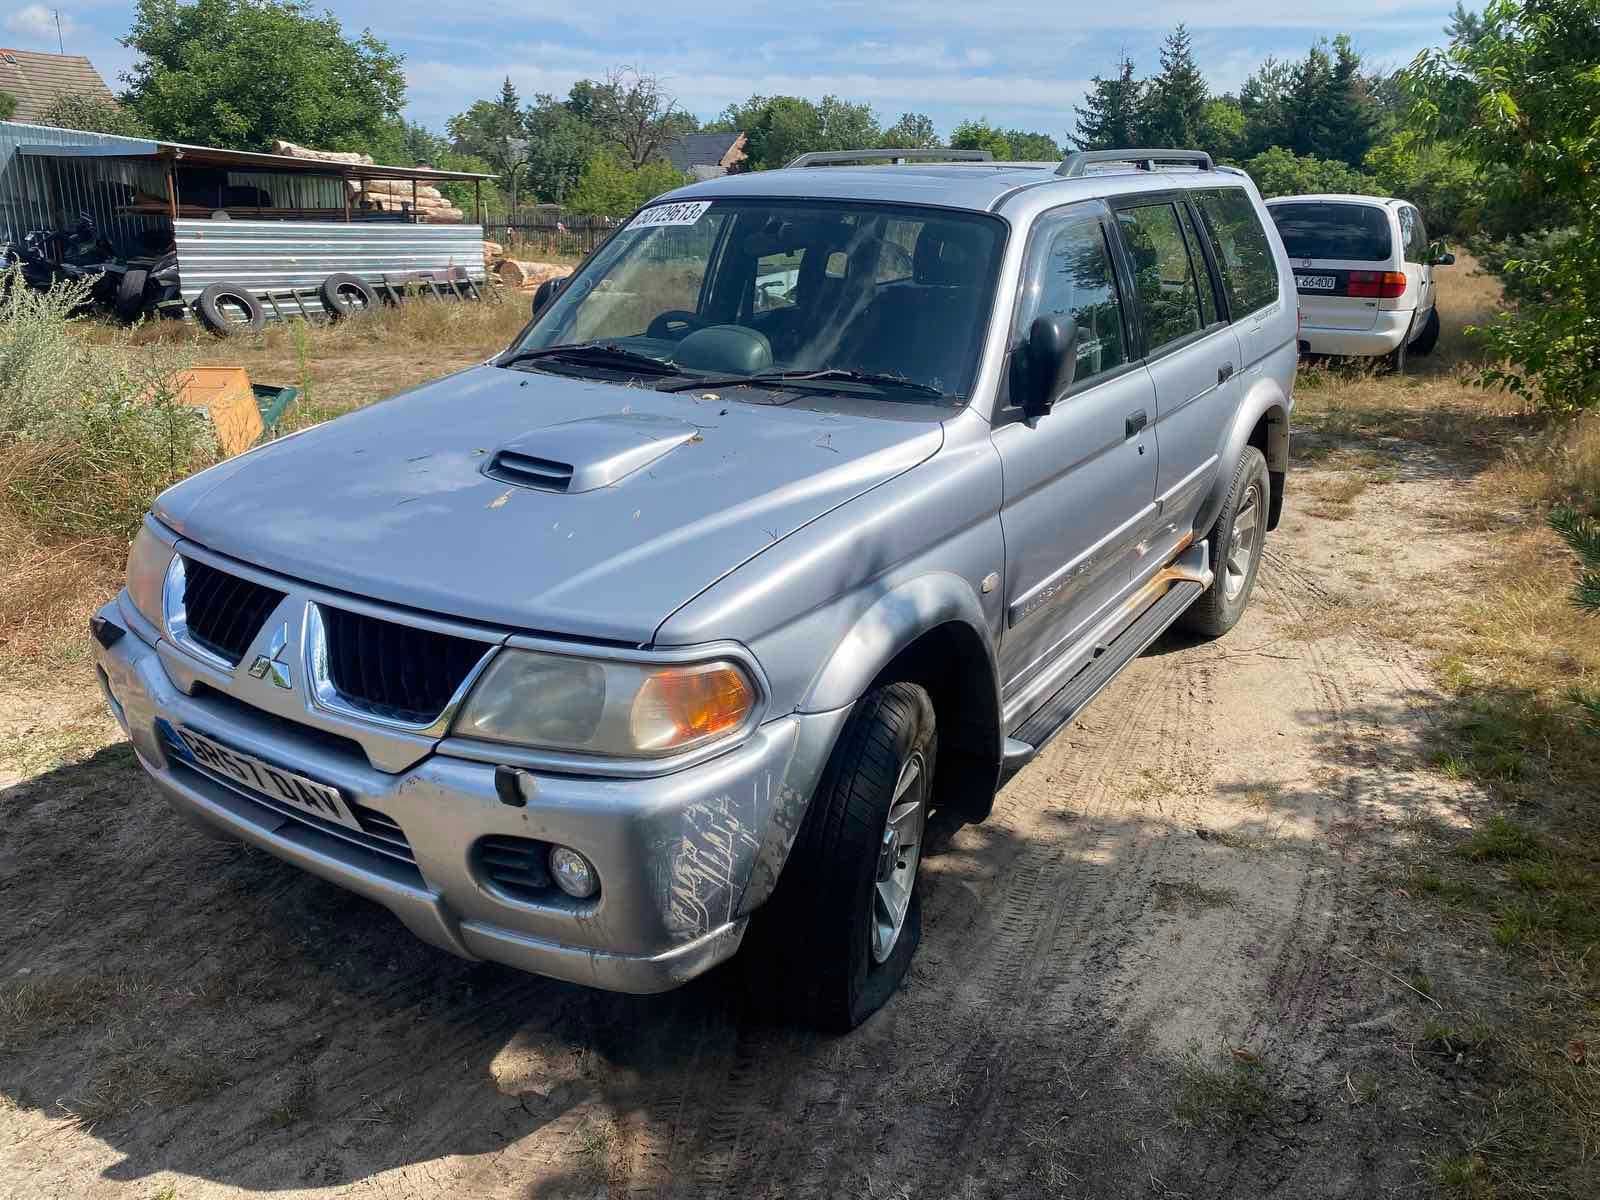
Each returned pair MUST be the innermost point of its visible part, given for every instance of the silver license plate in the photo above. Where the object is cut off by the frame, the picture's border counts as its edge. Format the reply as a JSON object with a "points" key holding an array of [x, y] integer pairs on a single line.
{"points": [[306, 795], [1316, 283]]}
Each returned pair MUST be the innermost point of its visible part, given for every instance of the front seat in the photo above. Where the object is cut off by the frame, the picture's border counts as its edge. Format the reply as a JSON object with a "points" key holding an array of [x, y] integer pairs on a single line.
{"points": [[925, 328]]}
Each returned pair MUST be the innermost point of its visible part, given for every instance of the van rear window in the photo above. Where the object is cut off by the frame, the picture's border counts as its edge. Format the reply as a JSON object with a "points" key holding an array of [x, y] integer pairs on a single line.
{"points": [[1358, 232]]}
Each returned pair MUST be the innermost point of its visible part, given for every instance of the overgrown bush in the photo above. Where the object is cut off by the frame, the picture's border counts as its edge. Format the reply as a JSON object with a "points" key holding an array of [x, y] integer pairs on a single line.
{"points": [[89, 430], [1280, 172], [1549, 344]]}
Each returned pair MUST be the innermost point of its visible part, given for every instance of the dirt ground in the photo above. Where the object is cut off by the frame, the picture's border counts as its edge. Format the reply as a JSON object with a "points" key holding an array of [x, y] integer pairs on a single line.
{"points": [[1175, 962]]}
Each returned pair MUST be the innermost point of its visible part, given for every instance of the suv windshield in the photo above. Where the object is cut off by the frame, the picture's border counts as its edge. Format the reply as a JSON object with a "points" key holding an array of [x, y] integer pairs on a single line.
{"points": [[857, 296], [1316, 229]]}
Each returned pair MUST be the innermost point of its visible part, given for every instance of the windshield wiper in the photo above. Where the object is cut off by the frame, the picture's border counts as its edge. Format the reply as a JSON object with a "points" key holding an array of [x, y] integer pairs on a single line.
{"points": [[595, 354], [807, 379]]}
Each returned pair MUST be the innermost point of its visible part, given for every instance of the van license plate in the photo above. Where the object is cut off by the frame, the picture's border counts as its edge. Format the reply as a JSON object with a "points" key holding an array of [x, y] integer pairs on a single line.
{"points": [[306, 795], [1315, 283]]}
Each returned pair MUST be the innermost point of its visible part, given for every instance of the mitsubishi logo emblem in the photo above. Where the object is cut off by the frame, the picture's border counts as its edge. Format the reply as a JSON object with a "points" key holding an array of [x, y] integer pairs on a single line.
{"points": [[272, 663]]}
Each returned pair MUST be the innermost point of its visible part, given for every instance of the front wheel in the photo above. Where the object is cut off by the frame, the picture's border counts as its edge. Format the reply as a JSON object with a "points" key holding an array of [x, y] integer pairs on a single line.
{"points": [[1236, 542], [847, 916]]}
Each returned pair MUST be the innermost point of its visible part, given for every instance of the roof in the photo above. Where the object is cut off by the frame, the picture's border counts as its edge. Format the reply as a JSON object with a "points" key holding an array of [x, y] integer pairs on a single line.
{"points": [[37, 80], [213, 156], [1339, 198], [705, 150], [977, 186]]}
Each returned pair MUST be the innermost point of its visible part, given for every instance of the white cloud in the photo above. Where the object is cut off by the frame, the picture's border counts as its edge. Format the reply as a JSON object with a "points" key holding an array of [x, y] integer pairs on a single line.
{"points": [[38, 23]]}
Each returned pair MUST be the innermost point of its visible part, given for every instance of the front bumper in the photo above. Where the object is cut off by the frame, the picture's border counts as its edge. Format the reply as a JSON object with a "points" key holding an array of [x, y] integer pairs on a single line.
{"points": [[682, 858]]}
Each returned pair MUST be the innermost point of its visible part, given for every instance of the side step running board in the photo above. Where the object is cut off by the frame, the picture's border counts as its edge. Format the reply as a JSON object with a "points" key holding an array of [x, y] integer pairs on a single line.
{"points": [[1049, 718]]}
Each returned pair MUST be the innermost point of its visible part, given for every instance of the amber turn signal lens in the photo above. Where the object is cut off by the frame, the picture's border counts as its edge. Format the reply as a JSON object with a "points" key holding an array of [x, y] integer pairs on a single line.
{"points": [[684, 706]]}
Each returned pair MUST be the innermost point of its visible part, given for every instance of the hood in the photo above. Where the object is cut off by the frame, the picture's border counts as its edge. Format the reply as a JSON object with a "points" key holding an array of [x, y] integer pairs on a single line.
{"points": [[539, 502]]}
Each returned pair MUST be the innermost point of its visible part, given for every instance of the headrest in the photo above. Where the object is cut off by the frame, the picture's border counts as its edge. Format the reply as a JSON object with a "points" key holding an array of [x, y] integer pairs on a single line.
{"points": [[947, 255]]}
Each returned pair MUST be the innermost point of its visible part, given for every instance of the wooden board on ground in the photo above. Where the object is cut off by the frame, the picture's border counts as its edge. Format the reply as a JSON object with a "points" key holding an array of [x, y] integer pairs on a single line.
{"points": [[228, 400]]}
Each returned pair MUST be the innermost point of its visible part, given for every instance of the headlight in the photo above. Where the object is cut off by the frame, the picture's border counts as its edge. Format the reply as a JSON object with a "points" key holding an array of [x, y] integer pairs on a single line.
{"points": [[148, 559], [595, 706]]}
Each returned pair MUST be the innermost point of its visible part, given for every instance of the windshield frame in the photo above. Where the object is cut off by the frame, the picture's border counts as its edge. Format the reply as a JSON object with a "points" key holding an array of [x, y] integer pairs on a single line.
{"points": [[989, 285]]}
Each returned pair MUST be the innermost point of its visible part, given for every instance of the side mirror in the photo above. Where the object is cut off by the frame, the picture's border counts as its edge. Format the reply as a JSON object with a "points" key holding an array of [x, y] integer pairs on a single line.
{"points": [[1050, 356], [545, 293]]}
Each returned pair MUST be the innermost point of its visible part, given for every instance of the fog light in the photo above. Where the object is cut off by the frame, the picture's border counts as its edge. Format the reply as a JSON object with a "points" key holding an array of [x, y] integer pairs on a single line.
{"points": [[572, 873]]}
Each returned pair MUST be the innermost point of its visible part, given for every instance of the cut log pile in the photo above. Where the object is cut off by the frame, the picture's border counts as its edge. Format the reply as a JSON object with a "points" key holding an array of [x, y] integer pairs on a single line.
{"points": [[385, 195]]}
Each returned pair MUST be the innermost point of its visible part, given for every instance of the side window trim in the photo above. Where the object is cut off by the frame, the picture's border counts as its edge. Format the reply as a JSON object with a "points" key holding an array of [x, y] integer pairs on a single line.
{"points": [[1213, 269]]}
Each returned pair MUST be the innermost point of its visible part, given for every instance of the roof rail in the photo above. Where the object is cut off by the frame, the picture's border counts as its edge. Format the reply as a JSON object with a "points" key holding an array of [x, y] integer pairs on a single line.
{"points": [[1143, 160], [833, 158]]}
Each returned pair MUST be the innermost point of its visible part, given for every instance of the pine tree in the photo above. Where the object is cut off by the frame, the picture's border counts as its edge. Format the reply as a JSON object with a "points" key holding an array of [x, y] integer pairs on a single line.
{"points": [[1173, 112], [1351, 112], [1109, 118]]}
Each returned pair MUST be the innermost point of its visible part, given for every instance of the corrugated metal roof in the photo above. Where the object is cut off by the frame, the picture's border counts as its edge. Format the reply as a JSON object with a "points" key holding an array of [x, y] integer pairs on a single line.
{"points": [[277, 255], [214, 156], [37, 80]]}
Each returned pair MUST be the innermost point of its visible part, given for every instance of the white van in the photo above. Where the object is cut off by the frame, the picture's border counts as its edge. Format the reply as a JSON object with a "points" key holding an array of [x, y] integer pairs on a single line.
{"points": [[1364, 269]]}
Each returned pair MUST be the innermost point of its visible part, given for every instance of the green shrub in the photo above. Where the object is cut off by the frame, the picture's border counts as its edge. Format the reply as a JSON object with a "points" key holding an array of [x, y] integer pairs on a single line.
{"points": [[89, 430], [1280, 172], [1548, 346]]}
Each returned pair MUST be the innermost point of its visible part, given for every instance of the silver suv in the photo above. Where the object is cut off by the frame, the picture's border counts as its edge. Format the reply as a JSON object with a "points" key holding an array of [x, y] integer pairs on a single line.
{"points": [[817, 500]]}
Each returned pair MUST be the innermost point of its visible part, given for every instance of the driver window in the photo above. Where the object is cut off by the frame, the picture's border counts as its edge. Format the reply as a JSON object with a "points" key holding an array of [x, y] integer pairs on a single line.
{"points": [[1077, 283]]}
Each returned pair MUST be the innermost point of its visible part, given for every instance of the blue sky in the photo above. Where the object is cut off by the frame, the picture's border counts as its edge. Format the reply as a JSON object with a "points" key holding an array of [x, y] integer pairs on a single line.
{"points": [[1017, 62]]}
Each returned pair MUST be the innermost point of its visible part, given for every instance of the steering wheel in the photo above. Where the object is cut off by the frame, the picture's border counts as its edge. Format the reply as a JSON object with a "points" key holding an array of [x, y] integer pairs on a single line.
{"points": [[675, 323]]}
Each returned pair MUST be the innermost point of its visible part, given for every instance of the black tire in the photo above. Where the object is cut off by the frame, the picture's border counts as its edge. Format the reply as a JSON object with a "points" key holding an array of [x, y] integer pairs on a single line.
{"points": [[1429, 338], [345, 295], [818, 932], [1400, 356], [1222, 604], [229, 308], [130, 294]]}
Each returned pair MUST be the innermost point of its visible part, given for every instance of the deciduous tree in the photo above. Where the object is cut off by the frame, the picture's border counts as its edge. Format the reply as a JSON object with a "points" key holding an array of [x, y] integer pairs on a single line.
{"points": [[239, 73]]}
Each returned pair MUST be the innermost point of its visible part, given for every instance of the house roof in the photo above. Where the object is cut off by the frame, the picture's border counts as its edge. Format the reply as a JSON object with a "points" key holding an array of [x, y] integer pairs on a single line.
{"points": [[37, 80], [705, 150]]}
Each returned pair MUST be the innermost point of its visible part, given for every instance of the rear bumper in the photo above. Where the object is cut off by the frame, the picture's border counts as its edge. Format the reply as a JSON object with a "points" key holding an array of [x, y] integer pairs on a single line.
{"points": [[682, 858], [1383, 338]]}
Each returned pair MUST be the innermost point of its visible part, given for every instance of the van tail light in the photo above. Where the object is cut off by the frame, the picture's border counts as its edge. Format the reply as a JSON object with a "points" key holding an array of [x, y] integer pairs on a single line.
{"points": [[1384, 285]]}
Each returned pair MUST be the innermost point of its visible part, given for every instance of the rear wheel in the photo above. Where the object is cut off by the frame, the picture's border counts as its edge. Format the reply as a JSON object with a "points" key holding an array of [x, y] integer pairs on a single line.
{"points": [[847, 916], [1236, 542]]}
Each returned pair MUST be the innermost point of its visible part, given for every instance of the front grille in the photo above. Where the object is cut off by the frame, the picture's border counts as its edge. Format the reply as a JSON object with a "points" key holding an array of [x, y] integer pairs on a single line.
{"points": [[224, 612], [395, 671], [525, 470], [518, 865]]}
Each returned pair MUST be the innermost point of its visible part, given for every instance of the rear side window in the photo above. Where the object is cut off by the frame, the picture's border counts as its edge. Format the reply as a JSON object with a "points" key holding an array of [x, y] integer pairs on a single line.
{"points": [[1329, 229], [1163, 273], [1249, 272], [1413, 235]]}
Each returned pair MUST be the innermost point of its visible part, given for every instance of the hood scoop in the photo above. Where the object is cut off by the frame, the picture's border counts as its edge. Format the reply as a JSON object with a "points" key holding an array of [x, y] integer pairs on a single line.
{"points": [[589, 453]]}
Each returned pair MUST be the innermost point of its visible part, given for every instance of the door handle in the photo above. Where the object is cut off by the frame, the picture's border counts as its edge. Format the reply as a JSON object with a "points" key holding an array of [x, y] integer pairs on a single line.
{"points": [[1134, 422], [1224, 373]]}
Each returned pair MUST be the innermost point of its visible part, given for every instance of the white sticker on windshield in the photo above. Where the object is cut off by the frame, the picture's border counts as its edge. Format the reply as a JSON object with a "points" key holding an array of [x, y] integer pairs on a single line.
{"points": [[684, 212]]}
